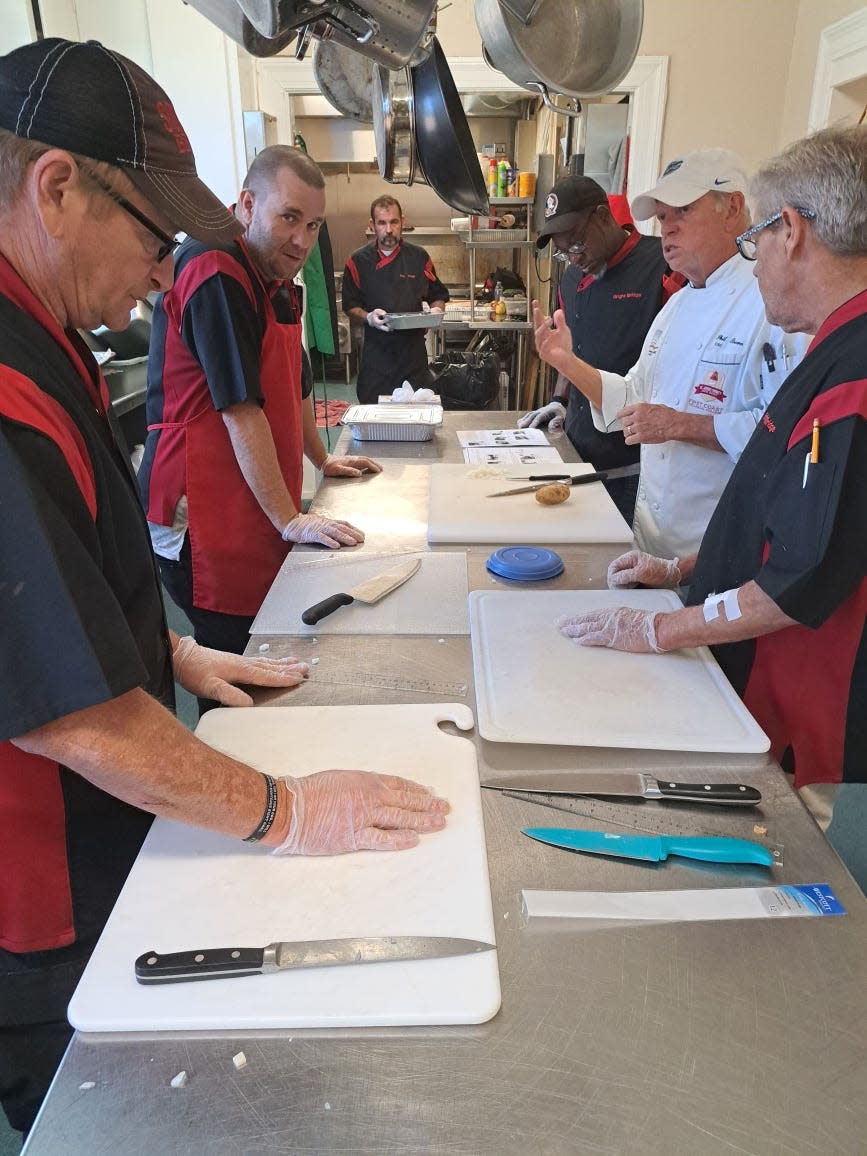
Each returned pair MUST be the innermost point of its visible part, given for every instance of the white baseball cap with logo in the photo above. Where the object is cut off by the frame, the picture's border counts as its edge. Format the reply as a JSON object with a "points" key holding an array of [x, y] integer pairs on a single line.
{"points": [[690, 177]]}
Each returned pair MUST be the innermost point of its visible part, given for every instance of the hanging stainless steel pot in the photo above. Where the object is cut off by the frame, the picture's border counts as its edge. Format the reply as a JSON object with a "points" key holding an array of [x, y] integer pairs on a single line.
{"points": [[345, 79], [576, 47], [231, 19], [383, 30], [393, 125]]}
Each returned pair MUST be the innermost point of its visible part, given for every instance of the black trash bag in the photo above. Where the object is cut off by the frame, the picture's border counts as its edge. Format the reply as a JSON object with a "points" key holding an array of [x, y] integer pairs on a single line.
{"points": [[466, 380], [509, 282]]}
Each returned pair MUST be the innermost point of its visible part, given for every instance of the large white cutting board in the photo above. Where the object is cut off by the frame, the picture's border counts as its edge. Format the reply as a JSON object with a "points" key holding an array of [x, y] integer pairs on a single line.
{"points": [[190, 888], [433, 601], [462, 511], [533, 685]]}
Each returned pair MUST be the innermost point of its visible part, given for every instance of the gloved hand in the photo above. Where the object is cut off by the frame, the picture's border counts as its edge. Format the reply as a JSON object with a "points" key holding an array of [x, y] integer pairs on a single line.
{"points": [[310, 529], [617, 627], [553, 415], [337, 811], [636, 568], [349, 466], [209, 673], [376, 319]]}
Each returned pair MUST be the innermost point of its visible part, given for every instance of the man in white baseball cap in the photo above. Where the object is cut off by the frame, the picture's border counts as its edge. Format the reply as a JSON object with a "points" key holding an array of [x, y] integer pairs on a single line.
{"points": [[710, 363], [689, 177]]}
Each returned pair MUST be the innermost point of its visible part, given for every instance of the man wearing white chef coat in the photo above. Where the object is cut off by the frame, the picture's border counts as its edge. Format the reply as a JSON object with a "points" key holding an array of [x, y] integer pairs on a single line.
{"points": [[710, 363]]}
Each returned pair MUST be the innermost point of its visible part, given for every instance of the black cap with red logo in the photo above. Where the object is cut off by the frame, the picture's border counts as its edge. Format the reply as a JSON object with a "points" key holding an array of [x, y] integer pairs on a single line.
{"points": [[86, 99]]}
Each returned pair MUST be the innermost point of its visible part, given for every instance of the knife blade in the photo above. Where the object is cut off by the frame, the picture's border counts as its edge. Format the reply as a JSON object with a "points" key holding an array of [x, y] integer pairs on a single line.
{"points": [[631, 785], [710, 848], [232, 962], [618, 472], [567, 480], [368, 592]]}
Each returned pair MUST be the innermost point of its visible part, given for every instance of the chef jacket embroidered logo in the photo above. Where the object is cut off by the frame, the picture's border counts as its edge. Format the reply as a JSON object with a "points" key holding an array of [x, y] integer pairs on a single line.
{"points": [[654, 343], [709, 395], [551, 205]]}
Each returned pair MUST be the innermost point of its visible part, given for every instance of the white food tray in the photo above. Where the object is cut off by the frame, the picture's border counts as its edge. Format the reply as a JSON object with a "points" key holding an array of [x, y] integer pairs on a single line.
{"points": [[393, 423], [414, 320]]}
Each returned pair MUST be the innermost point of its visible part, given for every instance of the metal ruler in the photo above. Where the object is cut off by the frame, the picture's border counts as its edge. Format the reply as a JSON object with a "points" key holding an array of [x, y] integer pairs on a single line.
{"points": [[656, 819], [443, 690]]}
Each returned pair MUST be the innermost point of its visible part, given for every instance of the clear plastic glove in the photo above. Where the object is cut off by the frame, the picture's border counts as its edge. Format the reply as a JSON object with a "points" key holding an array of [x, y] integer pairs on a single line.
{"points": [[552, 415], [209, 673], [338, 811], [617, 627], [635, 568], [349, 466], [376, 319], [313, 529]]}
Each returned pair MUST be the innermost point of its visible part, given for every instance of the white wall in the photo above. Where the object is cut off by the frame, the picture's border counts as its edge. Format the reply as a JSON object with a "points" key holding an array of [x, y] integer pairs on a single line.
{"points": [[190, 58]]}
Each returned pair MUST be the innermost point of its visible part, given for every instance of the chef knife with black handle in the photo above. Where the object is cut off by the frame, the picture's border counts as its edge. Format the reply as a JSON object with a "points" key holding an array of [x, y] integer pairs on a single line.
{"points": [[630, 785], [231, 962]]}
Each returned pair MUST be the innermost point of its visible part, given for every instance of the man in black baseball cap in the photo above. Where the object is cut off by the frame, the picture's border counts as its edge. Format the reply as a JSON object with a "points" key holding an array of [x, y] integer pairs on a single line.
{"points": [[571, 202], [96, 177], [96, 103], [611, 289]]}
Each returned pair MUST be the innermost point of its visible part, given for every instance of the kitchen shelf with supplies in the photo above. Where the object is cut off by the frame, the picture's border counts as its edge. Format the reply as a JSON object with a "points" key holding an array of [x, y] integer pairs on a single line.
{"points": [[522, 244]]}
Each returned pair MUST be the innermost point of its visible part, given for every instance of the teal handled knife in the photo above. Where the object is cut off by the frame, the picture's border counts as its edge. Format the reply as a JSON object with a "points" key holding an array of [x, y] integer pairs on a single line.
{"points": [[710, 848]]}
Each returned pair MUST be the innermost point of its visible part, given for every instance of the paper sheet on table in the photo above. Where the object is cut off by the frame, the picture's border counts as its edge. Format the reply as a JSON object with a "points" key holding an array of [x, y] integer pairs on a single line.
{"points": [[513, 456], [703, 905], [500, 438]]}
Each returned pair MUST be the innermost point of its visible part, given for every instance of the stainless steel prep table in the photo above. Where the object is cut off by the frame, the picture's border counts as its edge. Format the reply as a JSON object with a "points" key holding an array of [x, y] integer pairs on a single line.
{"points": [[747, 1037]]}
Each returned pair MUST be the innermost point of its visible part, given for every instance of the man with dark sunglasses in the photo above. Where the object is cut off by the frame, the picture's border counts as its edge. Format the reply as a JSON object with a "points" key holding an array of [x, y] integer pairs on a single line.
{"points": [[614, 284]]}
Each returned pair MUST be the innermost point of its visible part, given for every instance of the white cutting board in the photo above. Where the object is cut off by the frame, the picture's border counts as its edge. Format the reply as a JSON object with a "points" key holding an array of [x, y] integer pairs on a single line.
{"points": [[462, 511], [433, 601], [190, 888], [533, 685]]}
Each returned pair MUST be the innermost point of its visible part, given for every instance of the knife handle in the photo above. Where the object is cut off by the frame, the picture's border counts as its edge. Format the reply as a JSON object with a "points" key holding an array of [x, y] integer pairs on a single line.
{"points": [[324, 608], [727, 794], [214, 963], [717, 849]]}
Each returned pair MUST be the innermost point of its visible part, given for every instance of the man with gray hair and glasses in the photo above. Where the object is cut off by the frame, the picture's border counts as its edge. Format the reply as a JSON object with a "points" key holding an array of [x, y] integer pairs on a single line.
{"points": [[779, 586], [709, 365]]}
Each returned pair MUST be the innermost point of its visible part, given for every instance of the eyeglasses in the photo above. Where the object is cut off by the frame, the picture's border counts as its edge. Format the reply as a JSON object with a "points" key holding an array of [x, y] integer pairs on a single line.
{"points": [[746, 243], [168, 244], [577, 247]]}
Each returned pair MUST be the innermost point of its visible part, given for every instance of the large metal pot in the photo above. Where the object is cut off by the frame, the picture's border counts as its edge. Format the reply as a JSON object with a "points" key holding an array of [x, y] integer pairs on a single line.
{"points": [[397, 29], [345, 79], [394, 125], [577, 47]]}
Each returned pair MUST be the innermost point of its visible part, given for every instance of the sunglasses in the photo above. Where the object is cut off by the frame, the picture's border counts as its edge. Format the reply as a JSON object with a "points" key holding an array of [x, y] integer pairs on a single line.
{"points": [[167, 244]]}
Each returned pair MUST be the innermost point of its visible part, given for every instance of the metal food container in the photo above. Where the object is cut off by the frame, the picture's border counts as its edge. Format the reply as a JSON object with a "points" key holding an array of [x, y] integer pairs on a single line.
{"points": [[392, 423], [414, 320]]}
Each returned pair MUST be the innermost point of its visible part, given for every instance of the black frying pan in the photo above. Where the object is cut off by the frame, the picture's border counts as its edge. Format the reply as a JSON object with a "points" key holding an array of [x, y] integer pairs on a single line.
{"points": [[446, 152]]}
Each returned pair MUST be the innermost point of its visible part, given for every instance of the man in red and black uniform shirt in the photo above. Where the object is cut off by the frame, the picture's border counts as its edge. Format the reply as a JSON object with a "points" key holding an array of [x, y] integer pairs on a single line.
{"points": [[779, 586], [390, 276], [229, 420], [97, 178], [616, 281]]}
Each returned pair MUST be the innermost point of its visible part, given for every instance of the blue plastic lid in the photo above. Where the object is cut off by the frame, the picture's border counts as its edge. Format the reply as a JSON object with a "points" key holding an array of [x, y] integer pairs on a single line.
{"points": [[525, 563]]}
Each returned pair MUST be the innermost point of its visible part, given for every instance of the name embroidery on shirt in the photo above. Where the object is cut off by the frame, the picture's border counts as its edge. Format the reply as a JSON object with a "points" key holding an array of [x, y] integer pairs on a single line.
{"points": [[768, 424]]}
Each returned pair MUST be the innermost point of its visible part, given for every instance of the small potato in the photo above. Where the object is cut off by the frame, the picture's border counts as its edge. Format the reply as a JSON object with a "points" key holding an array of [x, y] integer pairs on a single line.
{"points": [[552, 495]]}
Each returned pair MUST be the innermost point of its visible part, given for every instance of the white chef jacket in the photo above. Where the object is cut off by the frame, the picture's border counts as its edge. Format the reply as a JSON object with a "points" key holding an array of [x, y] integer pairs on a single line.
{"points": [[709, 351]]}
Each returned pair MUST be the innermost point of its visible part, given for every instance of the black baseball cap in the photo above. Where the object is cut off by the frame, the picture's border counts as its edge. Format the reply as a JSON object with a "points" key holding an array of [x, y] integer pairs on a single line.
{"points": [[566, 204], [86, 99]]}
